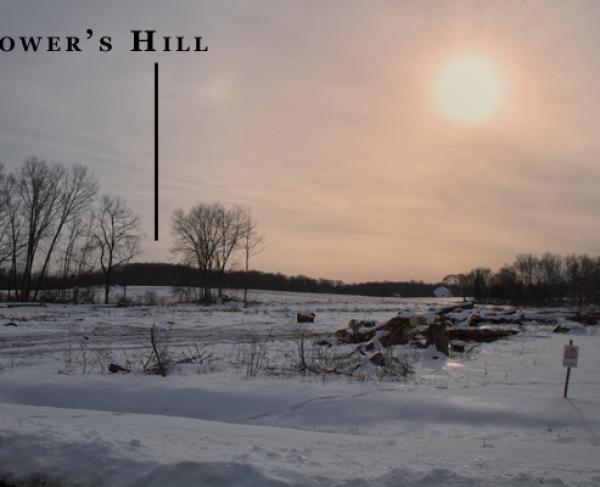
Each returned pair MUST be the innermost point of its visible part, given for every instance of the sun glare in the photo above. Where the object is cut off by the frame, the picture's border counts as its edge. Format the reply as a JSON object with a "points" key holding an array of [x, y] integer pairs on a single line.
{"points": [[468, 89]]}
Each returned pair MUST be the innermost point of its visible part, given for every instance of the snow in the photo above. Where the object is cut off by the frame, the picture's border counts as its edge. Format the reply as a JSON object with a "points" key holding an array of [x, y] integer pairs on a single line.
{"points": [[492, 416]]}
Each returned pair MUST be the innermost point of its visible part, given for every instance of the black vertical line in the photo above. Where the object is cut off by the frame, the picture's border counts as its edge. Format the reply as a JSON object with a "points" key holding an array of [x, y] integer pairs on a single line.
{"points": [[156, 151]]}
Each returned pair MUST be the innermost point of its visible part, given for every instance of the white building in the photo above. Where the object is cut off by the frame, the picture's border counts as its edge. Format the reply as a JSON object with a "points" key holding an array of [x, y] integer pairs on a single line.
{"points": [[443, 292]]}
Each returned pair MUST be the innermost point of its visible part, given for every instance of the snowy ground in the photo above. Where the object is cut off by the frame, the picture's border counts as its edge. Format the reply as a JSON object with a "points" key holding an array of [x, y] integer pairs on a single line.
{"points": [[494, 416]]}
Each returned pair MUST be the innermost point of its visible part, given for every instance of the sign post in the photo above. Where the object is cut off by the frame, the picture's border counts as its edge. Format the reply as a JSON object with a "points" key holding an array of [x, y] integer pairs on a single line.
{"points": [[570, 356]]}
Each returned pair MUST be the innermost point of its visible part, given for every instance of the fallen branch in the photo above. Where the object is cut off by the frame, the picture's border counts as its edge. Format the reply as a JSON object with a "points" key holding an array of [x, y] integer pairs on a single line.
{"points": [[456, 307], [116, 368]]}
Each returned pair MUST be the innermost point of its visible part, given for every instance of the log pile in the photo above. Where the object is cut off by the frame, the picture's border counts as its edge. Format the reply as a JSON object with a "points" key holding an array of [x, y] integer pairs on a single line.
{"points": [[588, 318], [396, 331], [442, 332], [453, 327]]}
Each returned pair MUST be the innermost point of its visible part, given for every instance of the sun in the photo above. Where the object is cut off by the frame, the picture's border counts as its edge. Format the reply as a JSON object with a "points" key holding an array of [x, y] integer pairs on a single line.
{"points": [[469, 89]]}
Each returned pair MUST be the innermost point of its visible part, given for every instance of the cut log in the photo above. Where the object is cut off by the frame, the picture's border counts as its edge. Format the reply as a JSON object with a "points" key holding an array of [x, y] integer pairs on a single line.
{"points": [[26, 305], [398, 331], [343, 336], [377, 359], [357, 331], [305, 317], [115, 368], [479, 335], [586, 318], [417, 321], [456, 307], [437, 335], [475, 320]]}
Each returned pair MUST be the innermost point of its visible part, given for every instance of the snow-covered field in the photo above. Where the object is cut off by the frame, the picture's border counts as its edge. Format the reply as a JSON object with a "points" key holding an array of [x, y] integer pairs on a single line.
{"points": [[492, 416]]}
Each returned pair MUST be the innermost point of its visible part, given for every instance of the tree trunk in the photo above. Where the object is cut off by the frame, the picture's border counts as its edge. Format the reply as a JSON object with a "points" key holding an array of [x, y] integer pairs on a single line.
{"points": [[107, 288], [221, 282], [46, 262], [13, 278], [205, 282], [246, 281], [439, 337]]}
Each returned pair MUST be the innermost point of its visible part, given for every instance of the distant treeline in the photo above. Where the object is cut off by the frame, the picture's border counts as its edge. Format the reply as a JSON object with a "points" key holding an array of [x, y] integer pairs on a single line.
{"points": [[177, 275], [549, 279], [541, 280]]}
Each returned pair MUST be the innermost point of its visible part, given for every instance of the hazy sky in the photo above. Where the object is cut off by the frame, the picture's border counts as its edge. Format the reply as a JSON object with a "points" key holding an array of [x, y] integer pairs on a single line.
{"points": [[322, 117]]}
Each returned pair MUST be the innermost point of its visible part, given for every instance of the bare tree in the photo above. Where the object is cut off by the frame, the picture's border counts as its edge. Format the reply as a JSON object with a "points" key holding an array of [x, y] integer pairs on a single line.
{"points": [[76, 192], [232, 223], [117, 235], [480, 280], [551, 276], [4, 227], [84, 254], [37, 184], [76, 256], [525, 266], [197, 241], [208, 236], [67, 254], [251, 245], [583, 278], [13, 224]]}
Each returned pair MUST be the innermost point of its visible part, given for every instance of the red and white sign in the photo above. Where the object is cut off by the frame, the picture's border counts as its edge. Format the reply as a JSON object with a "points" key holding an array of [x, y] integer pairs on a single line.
{"points": [[570, 355]]}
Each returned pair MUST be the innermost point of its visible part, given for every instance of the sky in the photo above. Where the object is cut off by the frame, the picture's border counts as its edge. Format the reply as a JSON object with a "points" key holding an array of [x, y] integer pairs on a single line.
{"points": [[323, 118]]}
